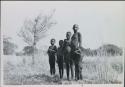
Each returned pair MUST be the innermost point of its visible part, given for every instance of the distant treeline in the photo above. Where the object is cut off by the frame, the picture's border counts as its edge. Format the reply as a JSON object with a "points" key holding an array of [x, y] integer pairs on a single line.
{"points": [[105, 50], [8, 46]]}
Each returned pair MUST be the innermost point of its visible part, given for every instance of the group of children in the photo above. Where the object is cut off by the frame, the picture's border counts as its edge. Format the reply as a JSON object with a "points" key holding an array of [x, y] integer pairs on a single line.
{"points": [[67, 53]]}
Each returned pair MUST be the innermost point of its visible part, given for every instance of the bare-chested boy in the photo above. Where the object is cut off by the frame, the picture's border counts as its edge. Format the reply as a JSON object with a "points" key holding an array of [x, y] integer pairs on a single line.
{"points": [[60, 58], [76, 44], [67, 55], [52, 56]]}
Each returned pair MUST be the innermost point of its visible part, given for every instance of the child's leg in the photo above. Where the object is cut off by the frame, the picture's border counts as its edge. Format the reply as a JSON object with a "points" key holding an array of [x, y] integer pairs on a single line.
{"points": [[71, 67], [67, 70], [54, 68], [59, 69], [50, 67], [81, 73], [53, 65], [62, 70], [80, 70], [60, 73], [76, 71]]}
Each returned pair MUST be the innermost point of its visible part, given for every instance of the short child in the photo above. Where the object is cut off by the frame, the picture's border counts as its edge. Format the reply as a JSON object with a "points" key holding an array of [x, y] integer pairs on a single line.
{"points": [[52, 56], [60, 58]]}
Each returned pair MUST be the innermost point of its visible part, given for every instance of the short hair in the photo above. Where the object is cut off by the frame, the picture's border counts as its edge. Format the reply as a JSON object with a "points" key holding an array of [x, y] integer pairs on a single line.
{"points": [[53, 39], [68, 33], [60, 41], [75, 25]]}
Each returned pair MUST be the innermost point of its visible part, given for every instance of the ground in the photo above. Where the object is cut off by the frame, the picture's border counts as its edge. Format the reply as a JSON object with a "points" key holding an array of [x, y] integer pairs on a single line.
{"points": [[18, 70]]}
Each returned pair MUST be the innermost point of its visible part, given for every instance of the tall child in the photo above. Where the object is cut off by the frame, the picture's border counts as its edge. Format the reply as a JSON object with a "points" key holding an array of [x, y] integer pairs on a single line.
{"points": [[76, 45]]}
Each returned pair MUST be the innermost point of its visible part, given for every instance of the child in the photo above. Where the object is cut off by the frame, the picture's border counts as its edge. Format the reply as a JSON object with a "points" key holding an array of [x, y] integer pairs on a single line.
{"points": [[60, 58], [67, 55], [76, 45], [52, 54]]}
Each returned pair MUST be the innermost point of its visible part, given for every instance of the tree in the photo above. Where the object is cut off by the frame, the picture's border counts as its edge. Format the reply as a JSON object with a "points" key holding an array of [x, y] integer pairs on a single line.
{"points": [[28, 50], [34, 30], [8, 46]]}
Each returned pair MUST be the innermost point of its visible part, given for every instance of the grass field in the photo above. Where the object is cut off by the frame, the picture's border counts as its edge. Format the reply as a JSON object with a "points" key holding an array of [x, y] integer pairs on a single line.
{"points": [[18, 70]]}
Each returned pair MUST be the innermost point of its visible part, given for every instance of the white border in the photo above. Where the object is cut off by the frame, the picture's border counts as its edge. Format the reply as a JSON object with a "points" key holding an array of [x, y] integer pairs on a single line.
{"points": [[74, 85]]}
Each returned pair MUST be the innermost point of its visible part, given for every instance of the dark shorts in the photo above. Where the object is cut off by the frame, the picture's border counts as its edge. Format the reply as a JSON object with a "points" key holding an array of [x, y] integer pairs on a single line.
{"points": [[52, 61], [60, 64], [76, 57]]}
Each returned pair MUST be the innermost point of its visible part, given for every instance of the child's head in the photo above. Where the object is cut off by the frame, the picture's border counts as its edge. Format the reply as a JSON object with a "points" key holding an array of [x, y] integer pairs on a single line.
{"points": [[61, 43], [53, 41], [68, 35], [75, 27]]}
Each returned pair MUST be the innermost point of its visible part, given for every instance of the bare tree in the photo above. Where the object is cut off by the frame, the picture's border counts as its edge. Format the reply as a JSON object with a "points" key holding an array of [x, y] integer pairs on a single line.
{"points": [[34, 30]]}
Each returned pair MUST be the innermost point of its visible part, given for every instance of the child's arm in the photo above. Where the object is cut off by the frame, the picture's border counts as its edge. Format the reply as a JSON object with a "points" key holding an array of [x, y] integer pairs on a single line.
{"points": [[56, 58], [78, 51], [48, 51], [63, 48], [56, 53], [80, 39], [52, 50], [55, 49]]}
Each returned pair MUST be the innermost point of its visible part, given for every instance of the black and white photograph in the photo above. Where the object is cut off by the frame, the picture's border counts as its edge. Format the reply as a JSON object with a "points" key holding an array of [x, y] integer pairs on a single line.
{"points": [[62, 42]]}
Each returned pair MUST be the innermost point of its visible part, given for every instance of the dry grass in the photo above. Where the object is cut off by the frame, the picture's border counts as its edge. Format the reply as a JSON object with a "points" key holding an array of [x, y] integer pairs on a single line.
{"points": [[96, 70]]}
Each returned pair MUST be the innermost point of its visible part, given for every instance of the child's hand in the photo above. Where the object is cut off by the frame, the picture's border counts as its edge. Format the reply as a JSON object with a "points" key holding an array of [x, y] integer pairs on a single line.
{"points": [[52, 50], [78, 51]]}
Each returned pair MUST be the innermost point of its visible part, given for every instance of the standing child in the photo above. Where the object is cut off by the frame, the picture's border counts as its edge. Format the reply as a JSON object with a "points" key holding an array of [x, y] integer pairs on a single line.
{"points": [[67, 55], [52, 54], [76, 45], [60, 58]]}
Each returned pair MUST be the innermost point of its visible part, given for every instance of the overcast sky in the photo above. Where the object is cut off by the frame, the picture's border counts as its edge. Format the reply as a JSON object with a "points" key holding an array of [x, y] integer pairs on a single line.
{"points": [[99, 22]]}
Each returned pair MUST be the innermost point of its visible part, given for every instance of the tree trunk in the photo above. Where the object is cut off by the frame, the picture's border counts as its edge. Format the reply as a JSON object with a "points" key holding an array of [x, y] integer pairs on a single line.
{"points": [[34, 43], [33, 56]]}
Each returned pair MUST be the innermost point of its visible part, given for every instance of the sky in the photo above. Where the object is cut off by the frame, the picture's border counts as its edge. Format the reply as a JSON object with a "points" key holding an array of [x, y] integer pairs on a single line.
{"points": [[100, 22]]}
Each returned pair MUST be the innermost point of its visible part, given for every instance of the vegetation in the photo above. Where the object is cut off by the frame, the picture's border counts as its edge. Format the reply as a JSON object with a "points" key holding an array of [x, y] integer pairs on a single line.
{"points": [[8, 46], [34, 30]]}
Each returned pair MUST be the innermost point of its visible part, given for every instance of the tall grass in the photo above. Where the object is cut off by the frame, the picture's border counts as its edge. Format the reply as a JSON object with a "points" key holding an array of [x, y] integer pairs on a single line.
{"points": [[97, 70], [102, 69]]}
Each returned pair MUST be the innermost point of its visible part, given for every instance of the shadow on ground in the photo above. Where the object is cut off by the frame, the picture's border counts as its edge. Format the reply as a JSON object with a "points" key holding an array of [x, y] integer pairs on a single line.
{"points": [[42, 79]]}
